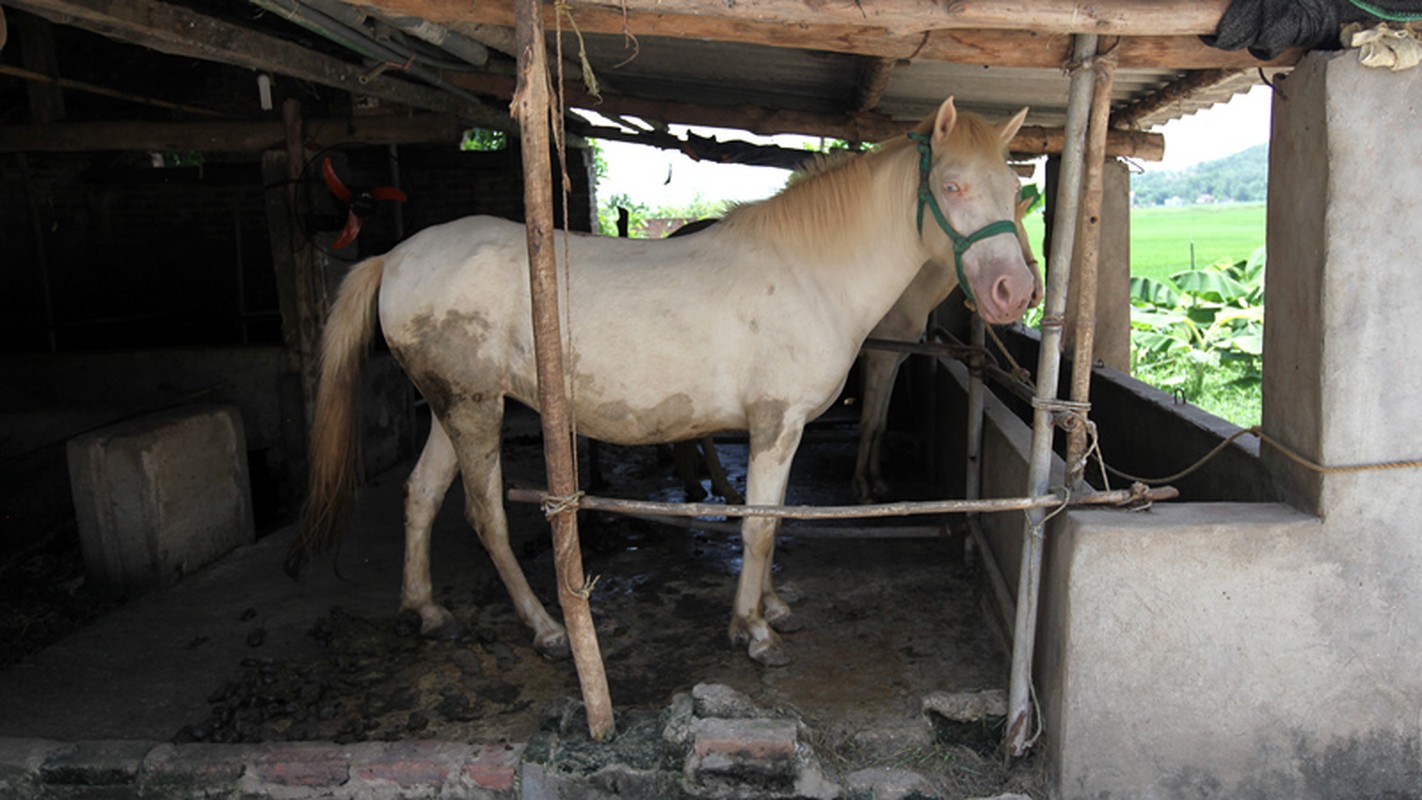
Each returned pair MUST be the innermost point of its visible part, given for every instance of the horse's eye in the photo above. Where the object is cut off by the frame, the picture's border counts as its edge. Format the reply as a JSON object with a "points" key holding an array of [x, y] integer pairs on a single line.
{"points": [[951, 187]]}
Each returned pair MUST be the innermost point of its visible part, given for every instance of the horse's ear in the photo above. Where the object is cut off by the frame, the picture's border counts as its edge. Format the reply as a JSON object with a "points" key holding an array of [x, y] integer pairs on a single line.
{"points": [[943, 122], [1009, 128]]}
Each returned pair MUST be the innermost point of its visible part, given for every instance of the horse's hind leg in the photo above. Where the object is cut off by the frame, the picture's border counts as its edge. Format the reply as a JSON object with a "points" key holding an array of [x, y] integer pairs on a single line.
{"points": [[720, 482], [424, 492], [880, 369], [474, 428]]}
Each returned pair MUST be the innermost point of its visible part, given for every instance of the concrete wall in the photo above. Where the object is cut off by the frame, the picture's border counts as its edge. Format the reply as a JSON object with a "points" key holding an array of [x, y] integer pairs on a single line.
{"points": [[1270, 650]]}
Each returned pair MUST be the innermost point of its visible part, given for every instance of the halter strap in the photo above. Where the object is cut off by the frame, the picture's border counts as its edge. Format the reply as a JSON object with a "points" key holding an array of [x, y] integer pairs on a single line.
{"points": [[961, 243]]}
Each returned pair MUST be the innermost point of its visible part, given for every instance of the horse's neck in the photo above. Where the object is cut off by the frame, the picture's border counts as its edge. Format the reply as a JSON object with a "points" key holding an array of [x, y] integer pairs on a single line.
{"points": [[870, 273]]}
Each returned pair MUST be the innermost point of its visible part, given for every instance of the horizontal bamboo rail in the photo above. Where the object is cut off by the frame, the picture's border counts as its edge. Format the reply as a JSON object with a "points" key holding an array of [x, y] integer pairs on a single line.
{"points": [[1120, 497]]}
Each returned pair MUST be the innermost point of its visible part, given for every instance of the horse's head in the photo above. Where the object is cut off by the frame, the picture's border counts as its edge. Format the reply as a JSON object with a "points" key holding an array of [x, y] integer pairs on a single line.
{"points": [[967, 210]]}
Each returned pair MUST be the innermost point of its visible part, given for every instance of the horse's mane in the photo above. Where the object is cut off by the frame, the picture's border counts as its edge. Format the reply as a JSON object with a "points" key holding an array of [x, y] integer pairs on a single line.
{"points": [[822, 204]]}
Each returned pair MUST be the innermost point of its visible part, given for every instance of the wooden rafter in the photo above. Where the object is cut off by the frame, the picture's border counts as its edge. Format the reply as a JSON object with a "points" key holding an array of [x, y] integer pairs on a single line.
{"points": [[1170, 94], [939, 35], [860, 126], [179, 31]]}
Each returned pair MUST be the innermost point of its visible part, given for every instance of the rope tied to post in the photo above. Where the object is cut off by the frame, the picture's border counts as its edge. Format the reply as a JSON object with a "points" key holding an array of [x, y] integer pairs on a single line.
{"points": [[1096, 63], [1068, 415], [555, 506]]}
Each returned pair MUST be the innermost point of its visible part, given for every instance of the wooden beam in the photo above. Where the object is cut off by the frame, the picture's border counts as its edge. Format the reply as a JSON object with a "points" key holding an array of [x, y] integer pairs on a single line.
{"points": [[1108, 17], [874, 74], [240, 137], [1133, 144], [179, 31], [1012, 46], [861, 126]]}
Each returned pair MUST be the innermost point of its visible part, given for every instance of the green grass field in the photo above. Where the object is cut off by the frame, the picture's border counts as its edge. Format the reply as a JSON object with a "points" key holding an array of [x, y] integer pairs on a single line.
{"points": [[1161, 240], [1161, 237]]}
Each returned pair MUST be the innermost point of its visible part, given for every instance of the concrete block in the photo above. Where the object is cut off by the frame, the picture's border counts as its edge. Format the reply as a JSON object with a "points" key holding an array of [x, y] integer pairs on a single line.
{"points": [[160, 496]]}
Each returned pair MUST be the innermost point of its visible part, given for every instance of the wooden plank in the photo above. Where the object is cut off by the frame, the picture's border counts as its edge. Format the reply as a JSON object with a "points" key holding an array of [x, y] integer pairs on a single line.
{"points": [[232, 136], [179, 31], [1012, 45], [861, 126]]}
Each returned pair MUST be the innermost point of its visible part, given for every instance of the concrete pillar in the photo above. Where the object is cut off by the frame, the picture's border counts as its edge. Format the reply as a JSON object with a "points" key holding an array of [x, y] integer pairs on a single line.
{"points": [[161, 496], [1113, 274], [1341, 340]]}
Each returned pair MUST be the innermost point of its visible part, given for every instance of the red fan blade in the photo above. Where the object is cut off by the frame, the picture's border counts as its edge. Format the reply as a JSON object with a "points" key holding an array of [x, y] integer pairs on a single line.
{"points": [[333, 182], [388, 193], [348, 233]]}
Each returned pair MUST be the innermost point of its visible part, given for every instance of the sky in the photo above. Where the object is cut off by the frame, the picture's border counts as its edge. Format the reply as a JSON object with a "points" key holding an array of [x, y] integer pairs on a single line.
{"points": [[660, 178]]}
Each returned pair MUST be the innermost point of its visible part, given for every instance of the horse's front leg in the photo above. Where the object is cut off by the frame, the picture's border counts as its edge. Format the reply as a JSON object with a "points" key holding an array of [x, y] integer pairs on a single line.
{"points": [[773, 440], [424, 492]]}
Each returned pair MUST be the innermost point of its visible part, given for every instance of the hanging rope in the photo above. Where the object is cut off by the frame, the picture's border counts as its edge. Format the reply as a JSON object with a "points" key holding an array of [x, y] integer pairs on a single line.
{"points": [[1283, 449], [557, 107]]}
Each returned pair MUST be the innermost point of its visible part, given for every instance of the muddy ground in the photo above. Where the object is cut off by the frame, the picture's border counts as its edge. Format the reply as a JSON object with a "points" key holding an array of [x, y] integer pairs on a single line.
{"points": [[886, 622]]}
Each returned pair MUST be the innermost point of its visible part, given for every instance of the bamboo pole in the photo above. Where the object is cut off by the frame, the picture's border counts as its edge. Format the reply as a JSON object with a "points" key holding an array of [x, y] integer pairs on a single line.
{"points": [[1039, 473], [531, 109], [1138, 494], [1088, 257]]}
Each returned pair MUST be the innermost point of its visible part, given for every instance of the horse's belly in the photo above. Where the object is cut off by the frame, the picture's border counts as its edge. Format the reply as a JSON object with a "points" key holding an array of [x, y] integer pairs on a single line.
{"points": [[646, 418]]}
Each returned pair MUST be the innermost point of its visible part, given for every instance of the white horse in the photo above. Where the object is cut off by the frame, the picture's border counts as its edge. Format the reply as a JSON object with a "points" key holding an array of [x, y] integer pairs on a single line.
{"points": [[792, 284], [906, 322]]}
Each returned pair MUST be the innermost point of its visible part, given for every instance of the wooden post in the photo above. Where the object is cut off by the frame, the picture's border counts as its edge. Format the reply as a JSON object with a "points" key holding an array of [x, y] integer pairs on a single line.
{"points": [[1082, 324], [530, 109]]}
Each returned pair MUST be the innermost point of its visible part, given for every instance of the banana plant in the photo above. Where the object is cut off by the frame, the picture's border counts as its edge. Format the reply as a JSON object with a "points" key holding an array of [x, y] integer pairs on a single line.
{"points": [[1200, 319]]}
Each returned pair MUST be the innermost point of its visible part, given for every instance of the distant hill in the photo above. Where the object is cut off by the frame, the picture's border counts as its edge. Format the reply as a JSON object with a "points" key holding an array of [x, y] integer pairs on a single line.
{"points": [[1240, 178]]}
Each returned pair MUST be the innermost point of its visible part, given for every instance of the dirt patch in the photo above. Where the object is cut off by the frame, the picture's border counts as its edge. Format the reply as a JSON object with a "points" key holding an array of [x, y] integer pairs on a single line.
{"points": [[44, 594]]}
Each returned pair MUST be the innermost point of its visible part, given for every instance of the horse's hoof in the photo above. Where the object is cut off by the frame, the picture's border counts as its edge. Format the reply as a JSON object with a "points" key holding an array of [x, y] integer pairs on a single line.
{"points": [[695, 492], [769, 653], [733, 498], [447, 631], [786, 623], [553, 648]]}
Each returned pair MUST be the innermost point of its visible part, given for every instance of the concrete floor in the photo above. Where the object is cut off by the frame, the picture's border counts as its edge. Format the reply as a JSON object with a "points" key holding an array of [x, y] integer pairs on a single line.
{"points": [[886, 621]]}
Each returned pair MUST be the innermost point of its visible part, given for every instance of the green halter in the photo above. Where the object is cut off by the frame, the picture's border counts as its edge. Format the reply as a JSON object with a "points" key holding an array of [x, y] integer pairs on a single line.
{"points": [[961, 243]]}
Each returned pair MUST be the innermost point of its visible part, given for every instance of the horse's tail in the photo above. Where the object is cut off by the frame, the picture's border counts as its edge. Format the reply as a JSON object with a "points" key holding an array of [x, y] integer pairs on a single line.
{"points": [[335, 424]]}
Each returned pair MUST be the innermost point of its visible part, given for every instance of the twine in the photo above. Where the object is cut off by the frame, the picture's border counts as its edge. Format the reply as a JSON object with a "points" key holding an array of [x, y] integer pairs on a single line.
{"points": [[553, 506]]}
